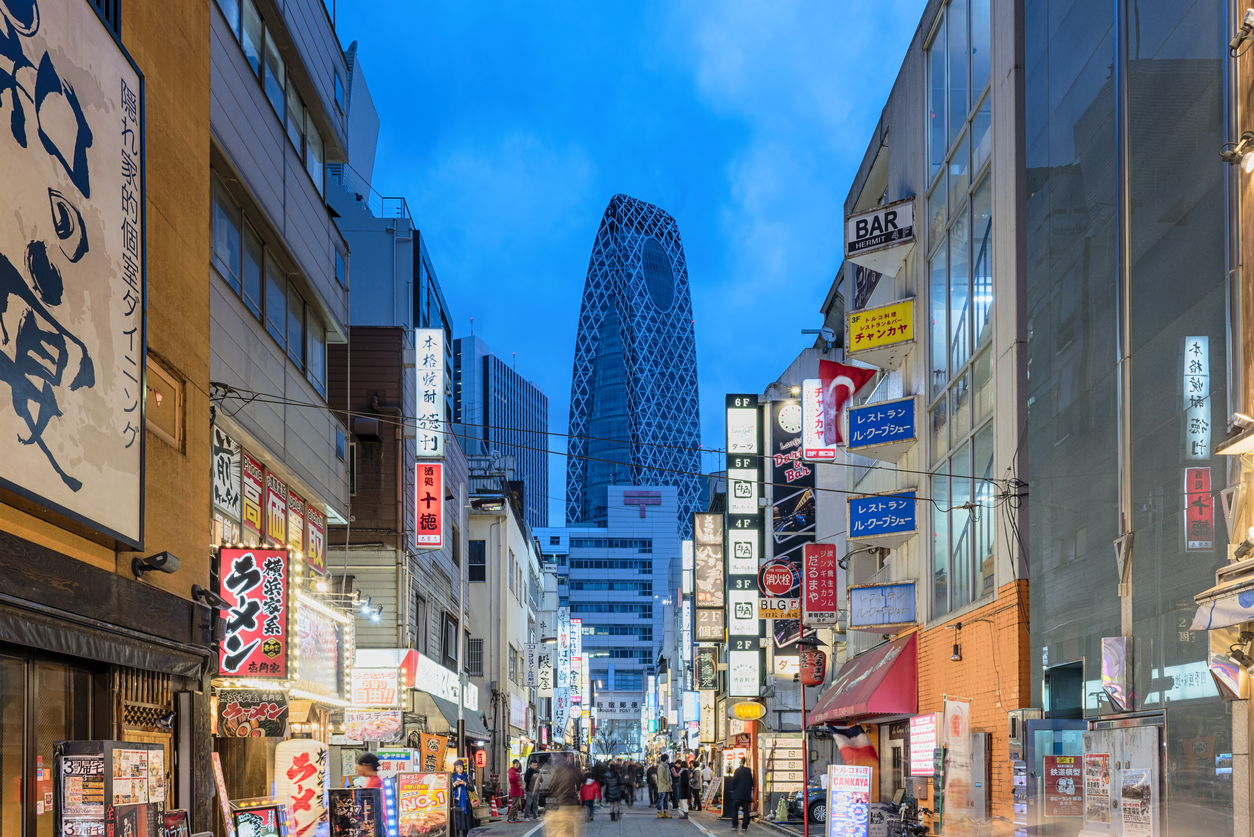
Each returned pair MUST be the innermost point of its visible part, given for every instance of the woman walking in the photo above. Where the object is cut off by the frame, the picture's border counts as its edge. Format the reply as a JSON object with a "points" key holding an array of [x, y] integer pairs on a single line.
{"points": [[614, 792], [461, 800]]}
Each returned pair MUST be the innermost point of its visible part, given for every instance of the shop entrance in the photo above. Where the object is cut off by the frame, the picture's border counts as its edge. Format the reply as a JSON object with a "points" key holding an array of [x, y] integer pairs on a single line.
{"points": [[1050, 739]]}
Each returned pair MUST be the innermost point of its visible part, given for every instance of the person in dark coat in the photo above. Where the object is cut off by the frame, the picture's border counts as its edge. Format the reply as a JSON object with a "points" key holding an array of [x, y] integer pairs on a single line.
{"points": [[683, 789], [740, 792], [614, 791], [650, 778], [461, 800]]}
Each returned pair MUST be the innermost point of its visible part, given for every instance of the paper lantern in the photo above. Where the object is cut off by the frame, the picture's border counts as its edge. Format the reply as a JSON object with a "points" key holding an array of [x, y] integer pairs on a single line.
{"points": [[813, 667]]}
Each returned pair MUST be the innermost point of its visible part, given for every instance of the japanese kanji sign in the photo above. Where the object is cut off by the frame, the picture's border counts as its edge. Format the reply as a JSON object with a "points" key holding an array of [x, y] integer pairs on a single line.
{"points": [[422, 804], [295, 520], [72, 341], [302, 776], [276, 509], [252, 496], [707, 530], [1064, 787], [873, 328], [1199, 511], [1197, 397], [376, 687], [821, 597], [251, 713], [429, 412], [881, 514], [315, 540], [878, 606], [429, 504], [225, 465], [255, 584]]}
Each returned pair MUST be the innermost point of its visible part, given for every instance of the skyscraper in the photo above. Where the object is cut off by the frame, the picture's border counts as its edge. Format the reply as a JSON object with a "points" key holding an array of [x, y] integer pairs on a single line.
{"points": [[633, 393], [495, 405]]}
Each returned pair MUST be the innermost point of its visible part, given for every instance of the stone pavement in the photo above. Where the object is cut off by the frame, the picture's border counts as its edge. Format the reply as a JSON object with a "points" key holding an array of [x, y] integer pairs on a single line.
{"points": [[640, 821]]}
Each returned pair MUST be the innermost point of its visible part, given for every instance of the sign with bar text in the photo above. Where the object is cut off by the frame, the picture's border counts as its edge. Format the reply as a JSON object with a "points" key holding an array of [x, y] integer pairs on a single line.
{"points": [[429, 504], [255, 585]]}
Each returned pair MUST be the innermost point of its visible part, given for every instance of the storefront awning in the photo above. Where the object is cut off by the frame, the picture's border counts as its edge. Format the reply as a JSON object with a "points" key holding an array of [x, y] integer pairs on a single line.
{"points": [[1225, 605], [881, 682], [438, 709]]}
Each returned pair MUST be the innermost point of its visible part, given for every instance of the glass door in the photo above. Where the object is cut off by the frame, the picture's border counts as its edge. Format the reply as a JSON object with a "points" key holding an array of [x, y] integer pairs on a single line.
{"points": [[1050, 737]]}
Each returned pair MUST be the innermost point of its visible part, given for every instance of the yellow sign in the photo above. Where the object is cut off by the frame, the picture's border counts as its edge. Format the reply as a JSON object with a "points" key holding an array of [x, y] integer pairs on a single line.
{"points": [[746, 710], [872, 328]]}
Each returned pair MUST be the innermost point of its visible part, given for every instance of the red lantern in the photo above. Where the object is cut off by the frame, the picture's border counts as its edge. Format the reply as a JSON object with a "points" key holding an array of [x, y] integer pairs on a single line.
{"points": [[813, 667], [481, 758]]}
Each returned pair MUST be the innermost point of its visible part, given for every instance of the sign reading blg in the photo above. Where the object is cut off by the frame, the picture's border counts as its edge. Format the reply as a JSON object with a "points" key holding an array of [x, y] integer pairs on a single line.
{"points": [[72, 338]]}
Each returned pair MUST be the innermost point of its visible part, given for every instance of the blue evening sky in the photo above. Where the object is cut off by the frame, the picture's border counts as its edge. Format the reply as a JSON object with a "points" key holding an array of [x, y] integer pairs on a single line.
{"points": [[508, 127]]}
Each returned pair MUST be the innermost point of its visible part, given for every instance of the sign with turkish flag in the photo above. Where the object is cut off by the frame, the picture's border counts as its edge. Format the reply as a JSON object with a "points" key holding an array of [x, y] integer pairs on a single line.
{"points": [[838, 383]]}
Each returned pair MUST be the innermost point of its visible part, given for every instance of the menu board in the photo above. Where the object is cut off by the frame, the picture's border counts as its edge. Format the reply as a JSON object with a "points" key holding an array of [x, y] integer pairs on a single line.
{"points": [[357, 812], [422, 804], [922, 743], [82, 787], [130, 777], [848, 800]]}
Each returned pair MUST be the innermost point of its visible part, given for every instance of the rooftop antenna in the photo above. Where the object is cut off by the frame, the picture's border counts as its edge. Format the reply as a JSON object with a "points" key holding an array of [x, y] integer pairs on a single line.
{"points": [[472, 326], [515, 354]]}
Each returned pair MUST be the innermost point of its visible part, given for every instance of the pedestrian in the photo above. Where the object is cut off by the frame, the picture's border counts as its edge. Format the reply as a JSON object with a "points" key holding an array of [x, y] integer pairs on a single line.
{"points": [[614, 792], [531, 786], [697, 786], [368, 771], [589, 794], [664, 786], [683, 789], [740, 793], [561, 808], [631, 782], [650, 778], [516, 795], [461, 800]]}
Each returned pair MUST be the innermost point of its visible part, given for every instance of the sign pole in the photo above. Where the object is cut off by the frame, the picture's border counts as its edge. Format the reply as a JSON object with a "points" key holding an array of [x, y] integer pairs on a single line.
{"points": [[805, 764]]}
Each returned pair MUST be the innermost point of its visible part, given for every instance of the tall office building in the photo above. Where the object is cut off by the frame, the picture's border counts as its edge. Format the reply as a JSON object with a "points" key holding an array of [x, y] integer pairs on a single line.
{"points": [[633, 393], [503, 411]]}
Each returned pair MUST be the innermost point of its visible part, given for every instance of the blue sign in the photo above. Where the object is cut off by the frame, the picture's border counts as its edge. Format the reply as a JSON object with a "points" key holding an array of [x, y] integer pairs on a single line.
{"points": [[882, 604], [881, 423], [884, 514]]}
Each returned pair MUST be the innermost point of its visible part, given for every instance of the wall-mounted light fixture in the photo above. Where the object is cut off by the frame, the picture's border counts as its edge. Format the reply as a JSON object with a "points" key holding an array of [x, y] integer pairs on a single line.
{"points": [[1243, 32], [956, 657], [1239, 152]]}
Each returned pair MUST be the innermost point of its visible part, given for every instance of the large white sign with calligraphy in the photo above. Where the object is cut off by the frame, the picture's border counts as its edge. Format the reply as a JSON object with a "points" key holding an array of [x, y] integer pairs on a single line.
{"points": [[429, 412], [72, 341]]}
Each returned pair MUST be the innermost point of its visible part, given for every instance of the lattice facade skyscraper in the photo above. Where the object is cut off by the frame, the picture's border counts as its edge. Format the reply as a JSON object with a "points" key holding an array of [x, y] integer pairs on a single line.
{"points": [[633, 393]]}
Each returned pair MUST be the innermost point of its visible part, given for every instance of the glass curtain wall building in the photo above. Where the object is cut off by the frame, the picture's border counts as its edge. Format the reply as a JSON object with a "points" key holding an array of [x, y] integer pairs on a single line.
{"points": [[1126, 258], [633, 397]]}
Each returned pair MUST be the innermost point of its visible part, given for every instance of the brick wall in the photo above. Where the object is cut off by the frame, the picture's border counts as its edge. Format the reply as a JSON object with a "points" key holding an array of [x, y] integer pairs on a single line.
{"points": [[995, 647]]}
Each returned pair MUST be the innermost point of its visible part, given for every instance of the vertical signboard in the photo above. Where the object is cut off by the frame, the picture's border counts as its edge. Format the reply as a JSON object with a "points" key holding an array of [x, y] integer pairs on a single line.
{"points": [[429, 412], [276, 509], [708, 584], [252, 497], [429, 504], [563, 648], [743, 535], [1197, 397], [255, 585], [302, 774], [792, 513], [295, 520], [533, 673], [226, 474], [821, 597], [1199, 511], [316, 540], [72, 350], [848, 800]]}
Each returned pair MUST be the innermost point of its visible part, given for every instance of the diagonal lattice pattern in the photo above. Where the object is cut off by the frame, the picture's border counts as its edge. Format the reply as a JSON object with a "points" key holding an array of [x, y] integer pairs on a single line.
{"points": [[635, 370]]}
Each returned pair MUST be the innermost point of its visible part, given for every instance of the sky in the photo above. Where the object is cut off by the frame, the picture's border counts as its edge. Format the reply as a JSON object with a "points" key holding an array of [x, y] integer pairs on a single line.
{"points": [[509, 126]]}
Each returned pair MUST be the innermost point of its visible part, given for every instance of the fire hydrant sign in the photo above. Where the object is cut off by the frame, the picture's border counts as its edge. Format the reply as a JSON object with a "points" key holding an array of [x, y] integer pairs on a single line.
{"points": [[848, 800], [1064, 787]]}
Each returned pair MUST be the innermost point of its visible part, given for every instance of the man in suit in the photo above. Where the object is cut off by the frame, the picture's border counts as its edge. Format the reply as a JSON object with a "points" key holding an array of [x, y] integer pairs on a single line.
{"points": [[740, 792]]}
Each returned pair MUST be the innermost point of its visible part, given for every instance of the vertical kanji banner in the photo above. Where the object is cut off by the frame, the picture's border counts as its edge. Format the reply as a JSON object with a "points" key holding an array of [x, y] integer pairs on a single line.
{"points": [[254, 583], [429, 504]]}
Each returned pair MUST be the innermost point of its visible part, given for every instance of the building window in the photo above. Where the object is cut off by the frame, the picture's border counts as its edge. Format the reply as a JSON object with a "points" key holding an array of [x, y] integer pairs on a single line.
{"points": [[511, 570], [341, 270], [448, 642], [456, 546], [959, 203], [295, 327], [253, 260], [339, 91], [474, 658], [477, 561], [513, 665], [276, 301], [340, 452], [420, 628], [163, 406], [227, 251], [316, 355], [555, 540]]}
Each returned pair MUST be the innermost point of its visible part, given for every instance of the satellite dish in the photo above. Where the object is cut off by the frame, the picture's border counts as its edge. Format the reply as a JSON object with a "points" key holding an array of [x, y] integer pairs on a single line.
{"points": [[828, 334]]}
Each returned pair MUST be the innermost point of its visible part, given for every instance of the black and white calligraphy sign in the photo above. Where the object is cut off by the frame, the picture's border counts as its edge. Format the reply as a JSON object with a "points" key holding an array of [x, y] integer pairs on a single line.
{"points": [[72, 342]]}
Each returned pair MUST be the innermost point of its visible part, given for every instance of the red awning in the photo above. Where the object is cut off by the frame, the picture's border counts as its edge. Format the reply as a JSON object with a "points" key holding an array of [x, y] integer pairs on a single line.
{"points": [[880, 682]]}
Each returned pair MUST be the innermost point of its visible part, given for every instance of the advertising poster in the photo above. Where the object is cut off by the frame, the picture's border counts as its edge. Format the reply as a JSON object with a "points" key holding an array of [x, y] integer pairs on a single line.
{"points": [[848, 800], [1097, 788], [72, 268], [130, 777], [1064, 787], [251, 713], [257, 822], [302, 775], [957, 738], [376, 687], [82, 787], [422, 801], [373, 725], [356, 812], [254, 582], [175, 824], [1136, 800], [793, 506], [922, 743]]}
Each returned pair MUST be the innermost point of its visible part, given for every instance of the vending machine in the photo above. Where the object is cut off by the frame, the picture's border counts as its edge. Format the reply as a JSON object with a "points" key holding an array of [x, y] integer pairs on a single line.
{"points": [[108, 787]]}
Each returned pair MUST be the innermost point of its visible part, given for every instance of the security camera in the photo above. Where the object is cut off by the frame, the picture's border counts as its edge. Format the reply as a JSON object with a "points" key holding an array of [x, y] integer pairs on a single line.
{"points": [[1243, 32], [166, 562], [209, 597]]}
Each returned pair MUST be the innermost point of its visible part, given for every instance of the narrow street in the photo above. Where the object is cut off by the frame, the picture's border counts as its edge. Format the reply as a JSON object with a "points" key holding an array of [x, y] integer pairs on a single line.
{"points": [[639, 821]]}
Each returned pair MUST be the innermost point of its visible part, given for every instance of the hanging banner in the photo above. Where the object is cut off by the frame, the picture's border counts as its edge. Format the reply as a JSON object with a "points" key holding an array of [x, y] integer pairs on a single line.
{"points": [[432, 750], [302, 775], [429, 411], [226, 465], [544, 670], [251, 713], [295, 521], [255, 584], [1196, 401], [253, 497], [561, 710], [72, 270], [316, 541], [276, 509], [429, 503], [959, 798], [706, 727], [821, 599]]}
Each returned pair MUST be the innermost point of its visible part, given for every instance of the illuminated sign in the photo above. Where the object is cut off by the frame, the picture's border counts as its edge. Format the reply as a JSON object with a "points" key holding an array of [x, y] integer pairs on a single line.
{"points": [[429, 412], [882, 515], [882, 423], [1199, 511], [376, 687], [255, 584], [744, 674], [820, 593], [884, 226], [878, 328], [429, 504], [1197, 397]]}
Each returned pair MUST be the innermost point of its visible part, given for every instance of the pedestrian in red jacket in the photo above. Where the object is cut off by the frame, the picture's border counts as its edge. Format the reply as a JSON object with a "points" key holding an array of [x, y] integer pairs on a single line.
{"points": [[516, 795], [590, 794]]}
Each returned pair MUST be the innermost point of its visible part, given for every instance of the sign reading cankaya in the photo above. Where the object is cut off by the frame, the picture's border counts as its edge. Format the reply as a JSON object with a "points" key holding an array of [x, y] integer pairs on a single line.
{"points": [[72, 340]]}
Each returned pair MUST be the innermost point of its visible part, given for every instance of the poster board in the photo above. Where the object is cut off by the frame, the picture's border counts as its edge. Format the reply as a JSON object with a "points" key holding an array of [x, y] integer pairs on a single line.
{"points": [[422, 804], [357, 812], [100, 786]]}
